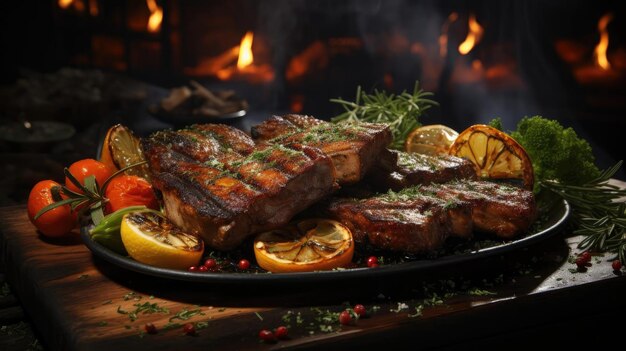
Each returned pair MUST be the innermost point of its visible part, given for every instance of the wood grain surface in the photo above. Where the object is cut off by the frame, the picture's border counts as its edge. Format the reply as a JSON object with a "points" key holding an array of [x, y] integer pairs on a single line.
{"points": [[74, 301]]}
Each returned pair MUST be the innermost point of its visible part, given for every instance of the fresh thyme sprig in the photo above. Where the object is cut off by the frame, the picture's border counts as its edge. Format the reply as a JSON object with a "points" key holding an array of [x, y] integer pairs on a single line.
{"points": [[597, 212], [400, 112]]}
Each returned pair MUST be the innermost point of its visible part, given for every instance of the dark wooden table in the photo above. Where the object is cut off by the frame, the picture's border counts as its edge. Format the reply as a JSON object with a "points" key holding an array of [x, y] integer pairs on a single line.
{"points": [[74, 302]]}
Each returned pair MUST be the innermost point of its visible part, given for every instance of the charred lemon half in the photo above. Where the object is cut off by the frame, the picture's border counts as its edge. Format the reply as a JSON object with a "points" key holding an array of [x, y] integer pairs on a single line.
{"points": [[495, 154], [305, 246]]}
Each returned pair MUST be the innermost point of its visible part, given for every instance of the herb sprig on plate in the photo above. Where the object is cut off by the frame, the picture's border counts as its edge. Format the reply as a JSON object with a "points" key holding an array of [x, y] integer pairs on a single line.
{"points": [[400, 112]]}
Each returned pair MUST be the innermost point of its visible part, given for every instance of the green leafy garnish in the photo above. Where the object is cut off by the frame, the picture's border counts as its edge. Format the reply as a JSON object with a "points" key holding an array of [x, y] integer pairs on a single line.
{"points": [[557, 153], [565, 168], [400, 112]]}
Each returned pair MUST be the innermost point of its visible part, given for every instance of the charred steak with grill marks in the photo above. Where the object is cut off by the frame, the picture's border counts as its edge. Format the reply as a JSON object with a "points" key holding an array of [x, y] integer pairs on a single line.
{"points": [[217, 183], [353, 148], [420, 218]]}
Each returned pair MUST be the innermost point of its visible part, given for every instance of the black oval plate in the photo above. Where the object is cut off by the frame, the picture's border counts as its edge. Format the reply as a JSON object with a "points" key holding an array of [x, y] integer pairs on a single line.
{"points": [[555, 219]]}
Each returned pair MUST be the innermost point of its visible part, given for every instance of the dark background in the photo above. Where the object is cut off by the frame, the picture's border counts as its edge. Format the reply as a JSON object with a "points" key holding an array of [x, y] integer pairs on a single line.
{"points": [[530, 56]]}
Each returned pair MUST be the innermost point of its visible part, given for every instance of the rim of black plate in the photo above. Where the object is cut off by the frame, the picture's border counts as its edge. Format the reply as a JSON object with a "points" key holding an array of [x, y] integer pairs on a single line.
{"points": [[319, 276]]}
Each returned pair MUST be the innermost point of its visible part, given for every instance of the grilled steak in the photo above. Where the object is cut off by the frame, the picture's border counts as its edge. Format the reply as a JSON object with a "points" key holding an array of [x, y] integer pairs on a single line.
{"points": [[420, 218], [503, 210], [217, 183], [408, 221], [353, 148], [399, 170]]}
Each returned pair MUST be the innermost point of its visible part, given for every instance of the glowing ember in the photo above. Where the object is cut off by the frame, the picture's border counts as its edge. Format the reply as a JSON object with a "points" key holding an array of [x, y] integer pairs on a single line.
{"points": [[245, 51], [443, 38], [65, 3], [599, 53], [473, 36], [93, 7], [156, 16]]}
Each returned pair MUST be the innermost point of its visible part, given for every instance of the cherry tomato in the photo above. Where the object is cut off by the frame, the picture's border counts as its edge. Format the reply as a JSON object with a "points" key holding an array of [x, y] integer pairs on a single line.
{"points": [[54, 223], [126, 190], [85, 168]]}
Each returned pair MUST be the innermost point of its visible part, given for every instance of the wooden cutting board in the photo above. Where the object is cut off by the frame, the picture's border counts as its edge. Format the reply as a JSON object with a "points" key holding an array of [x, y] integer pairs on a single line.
{"points": [[75, 301]]}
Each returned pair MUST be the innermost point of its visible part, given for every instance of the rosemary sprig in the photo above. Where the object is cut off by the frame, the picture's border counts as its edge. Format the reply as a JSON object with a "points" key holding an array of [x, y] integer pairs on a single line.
{"points": [[400, 112], [597, 212]]}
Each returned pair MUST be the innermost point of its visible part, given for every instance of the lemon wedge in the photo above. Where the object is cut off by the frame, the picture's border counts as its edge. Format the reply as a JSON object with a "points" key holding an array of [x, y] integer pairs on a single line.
{"points": [[152, 239]]}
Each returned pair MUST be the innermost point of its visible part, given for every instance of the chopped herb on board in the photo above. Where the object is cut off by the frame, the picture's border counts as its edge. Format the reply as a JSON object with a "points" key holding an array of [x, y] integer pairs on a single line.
{"points": [[186, 314]]}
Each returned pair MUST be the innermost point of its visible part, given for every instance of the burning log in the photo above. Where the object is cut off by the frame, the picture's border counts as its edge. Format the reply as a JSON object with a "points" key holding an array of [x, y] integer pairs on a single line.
{"points": [[198, 101]]}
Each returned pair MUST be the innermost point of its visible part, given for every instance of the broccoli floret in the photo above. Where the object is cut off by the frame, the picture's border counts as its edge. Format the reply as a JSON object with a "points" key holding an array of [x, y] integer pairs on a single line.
{"points": [[557, 153]]}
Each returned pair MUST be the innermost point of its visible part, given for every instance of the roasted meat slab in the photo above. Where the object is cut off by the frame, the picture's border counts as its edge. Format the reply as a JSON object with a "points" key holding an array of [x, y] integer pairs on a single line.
{"points": [[399, 170], [420, 218], [407, 221], [218, 183], [499, 209], [353, 148]]}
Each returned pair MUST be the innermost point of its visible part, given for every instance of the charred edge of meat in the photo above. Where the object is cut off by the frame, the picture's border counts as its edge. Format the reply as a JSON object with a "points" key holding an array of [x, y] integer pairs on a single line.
{"points": [[228, 137], [273, 128], [303, 121]]}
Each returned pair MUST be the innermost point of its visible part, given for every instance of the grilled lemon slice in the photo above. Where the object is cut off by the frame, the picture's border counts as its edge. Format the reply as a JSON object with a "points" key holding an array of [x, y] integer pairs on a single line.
{"points": [[305, 246], [152, 239], [495, 155], [433, 139], [121, 149]]}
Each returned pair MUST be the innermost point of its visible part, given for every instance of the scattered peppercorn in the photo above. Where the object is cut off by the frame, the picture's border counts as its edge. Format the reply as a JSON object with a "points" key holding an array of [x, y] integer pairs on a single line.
{"points": [[210, 263], [345, 318], [267, 335], [360, 310], [580, 262], [192, 268], [617, 265], [281, 332], [203, 269], [189, 329], [243, 264], [150, 328], [586, 256], [371, 261]]}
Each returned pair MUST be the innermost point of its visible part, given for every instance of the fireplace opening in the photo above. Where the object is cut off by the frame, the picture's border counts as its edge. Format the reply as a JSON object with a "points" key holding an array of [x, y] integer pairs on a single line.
{"points": [[565, 60]]}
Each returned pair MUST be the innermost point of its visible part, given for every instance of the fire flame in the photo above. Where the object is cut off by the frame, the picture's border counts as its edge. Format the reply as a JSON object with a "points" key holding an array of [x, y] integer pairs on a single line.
{"points": [[443, 38], [225, 69], [156, 16], [65, 3], [473, 36], [245, 51], [600, 51]]}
